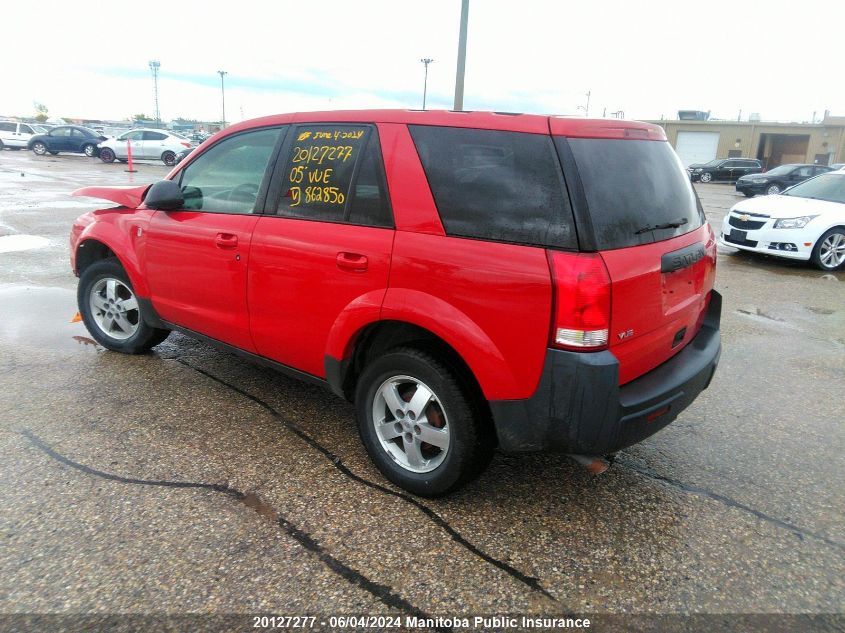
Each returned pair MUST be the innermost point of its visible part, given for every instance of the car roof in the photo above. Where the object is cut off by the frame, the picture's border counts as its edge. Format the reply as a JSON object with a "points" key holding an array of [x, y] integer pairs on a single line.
{"points": [[503, 121]]}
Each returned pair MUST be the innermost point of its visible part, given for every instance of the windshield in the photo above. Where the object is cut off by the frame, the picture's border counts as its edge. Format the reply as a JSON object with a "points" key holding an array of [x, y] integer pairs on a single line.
{"points": [[780, 171], [713, 162], [830, 187]]}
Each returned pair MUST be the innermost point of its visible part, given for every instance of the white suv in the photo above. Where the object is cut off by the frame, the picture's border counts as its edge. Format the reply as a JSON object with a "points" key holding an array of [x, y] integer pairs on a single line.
{"points": [[16, 135], [161, 145]]}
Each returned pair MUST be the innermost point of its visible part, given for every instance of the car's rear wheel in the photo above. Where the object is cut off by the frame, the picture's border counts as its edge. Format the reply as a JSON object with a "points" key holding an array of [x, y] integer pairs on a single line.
{"points": [[773, 189], [168, 158], [107, 155], [39, 148], [111, 312], [748, 194], [829, 251], [420, 424], [705, 177]]}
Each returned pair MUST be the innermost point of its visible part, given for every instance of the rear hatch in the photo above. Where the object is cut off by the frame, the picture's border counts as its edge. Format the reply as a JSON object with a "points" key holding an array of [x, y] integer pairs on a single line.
{"points": [[635, 205]]}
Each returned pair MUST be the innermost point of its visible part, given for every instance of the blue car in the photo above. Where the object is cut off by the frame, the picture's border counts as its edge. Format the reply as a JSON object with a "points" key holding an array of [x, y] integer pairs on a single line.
{"points": [[66, 138]]}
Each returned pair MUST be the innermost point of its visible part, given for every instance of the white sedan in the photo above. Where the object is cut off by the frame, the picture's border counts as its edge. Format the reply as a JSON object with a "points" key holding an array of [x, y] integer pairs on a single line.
{"points": [[161, 145], [804, 222]]}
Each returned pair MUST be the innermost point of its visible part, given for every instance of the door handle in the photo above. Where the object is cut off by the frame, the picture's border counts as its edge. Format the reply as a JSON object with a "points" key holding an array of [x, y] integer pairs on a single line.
{"points": [[352, 261], [226, 240]]}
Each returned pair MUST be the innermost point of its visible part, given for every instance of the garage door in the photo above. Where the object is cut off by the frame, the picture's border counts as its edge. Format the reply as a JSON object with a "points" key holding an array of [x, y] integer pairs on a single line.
{"points": [[696, 147]]}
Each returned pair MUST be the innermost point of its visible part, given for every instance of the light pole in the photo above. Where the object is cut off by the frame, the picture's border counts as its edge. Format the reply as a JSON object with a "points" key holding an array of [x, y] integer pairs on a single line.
{"points": [[586, 108], [154, 66], [426, 61], [223, 97], [462, 57]]}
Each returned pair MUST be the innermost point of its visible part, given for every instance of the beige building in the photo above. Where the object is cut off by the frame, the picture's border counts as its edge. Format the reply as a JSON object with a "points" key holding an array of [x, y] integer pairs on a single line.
{"points": [[773, 143]]}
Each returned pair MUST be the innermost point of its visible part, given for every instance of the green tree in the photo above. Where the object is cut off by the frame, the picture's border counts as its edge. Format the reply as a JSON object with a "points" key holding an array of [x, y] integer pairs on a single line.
{"points": [[140, 117], [42, 111]]}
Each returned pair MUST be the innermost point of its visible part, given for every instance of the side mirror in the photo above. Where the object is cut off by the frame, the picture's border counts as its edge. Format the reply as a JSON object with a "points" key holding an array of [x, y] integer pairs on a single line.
{"points": [[165, 195]]}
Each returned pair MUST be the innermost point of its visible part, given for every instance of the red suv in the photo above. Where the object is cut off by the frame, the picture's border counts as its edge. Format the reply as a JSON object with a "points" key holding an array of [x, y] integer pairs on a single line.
{"points": [[469, 280]]}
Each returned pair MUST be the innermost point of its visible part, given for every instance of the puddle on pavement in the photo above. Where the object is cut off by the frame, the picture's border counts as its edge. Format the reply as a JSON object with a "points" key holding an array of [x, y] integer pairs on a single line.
{"points": [[15, 243], [38, 317]]}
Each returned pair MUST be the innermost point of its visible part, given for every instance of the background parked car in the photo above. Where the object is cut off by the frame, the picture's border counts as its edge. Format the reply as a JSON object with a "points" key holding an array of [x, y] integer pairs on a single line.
{"points": [[724, 169], [182, 155], [15, 135], [807, 222], [66, 138], [837, 166], [160, 145], [778, 179]]}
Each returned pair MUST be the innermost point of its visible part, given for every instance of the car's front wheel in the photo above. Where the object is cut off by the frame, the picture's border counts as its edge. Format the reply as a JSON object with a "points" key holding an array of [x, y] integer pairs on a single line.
{"points": [[39, 148], [111, 312], [89, 150], [168, 158], [829, 251], [705, 177], [748, 194], [107, 155], [773, 189], [420, 423]]}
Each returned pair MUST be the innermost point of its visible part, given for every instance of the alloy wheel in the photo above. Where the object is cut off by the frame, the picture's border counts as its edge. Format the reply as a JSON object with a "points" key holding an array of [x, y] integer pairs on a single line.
{"points": [[832, 251], [114, 308], [410, 424]]}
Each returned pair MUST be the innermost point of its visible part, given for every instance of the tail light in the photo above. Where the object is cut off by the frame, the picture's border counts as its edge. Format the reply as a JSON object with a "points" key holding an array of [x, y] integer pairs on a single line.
{"points": [[581, 313], [184, 144]]}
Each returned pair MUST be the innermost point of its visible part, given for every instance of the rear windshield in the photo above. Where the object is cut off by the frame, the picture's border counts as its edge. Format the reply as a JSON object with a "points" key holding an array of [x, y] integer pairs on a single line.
{"points": [[637, 192]]}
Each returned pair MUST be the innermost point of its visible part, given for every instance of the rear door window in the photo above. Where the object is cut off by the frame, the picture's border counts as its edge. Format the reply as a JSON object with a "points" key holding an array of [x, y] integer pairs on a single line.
{"points": [[631, 188], [500, 186], [334, 173]]}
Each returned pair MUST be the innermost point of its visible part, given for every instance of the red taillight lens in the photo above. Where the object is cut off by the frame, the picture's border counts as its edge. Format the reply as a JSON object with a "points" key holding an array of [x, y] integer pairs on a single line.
{"points": [[581, 319], [184, 144]]}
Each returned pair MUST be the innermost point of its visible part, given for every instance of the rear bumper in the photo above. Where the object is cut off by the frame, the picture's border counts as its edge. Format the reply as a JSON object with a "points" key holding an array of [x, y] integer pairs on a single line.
{"points": [[579, 406]]}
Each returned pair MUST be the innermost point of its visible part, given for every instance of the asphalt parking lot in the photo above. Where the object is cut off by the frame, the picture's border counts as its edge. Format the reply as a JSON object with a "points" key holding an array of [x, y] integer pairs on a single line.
{"points": [[186, 481]]}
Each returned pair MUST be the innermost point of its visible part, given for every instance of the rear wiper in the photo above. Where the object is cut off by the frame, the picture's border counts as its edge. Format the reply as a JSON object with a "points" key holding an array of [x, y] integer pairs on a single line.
{"points": [[674, 224]]}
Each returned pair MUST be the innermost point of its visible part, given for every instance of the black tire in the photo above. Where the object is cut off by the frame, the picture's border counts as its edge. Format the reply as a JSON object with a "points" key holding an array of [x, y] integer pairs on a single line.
{"points": [[470, 440], [168, 158], [773, 189], [706, 177], [89, 150], [39, 148], [748, 194], [121, 160], [107, 155], [54, 153], [816, 255], [143, 336]]}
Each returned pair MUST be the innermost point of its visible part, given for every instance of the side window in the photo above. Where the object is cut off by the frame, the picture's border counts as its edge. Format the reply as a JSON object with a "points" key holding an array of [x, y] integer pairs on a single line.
{"points": [[131, 136], [154, 136], [803, 172], [368, 203], [318, 171], [25, 129], [77, 133], [226, 177], [7, 127], [61, 131], [491, 185]]}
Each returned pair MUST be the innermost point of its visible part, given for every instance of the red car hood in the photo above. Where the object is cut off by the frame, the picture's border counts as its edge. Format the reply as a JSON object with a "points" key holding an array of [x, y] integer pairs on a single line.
{"points": [[130, 197]]}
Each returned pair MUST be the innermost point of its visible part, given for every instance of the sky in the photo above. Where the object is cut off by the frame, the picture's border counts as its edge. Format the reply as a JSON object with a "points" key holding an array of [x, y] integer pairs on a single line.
{"points": [[650, 58]]}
